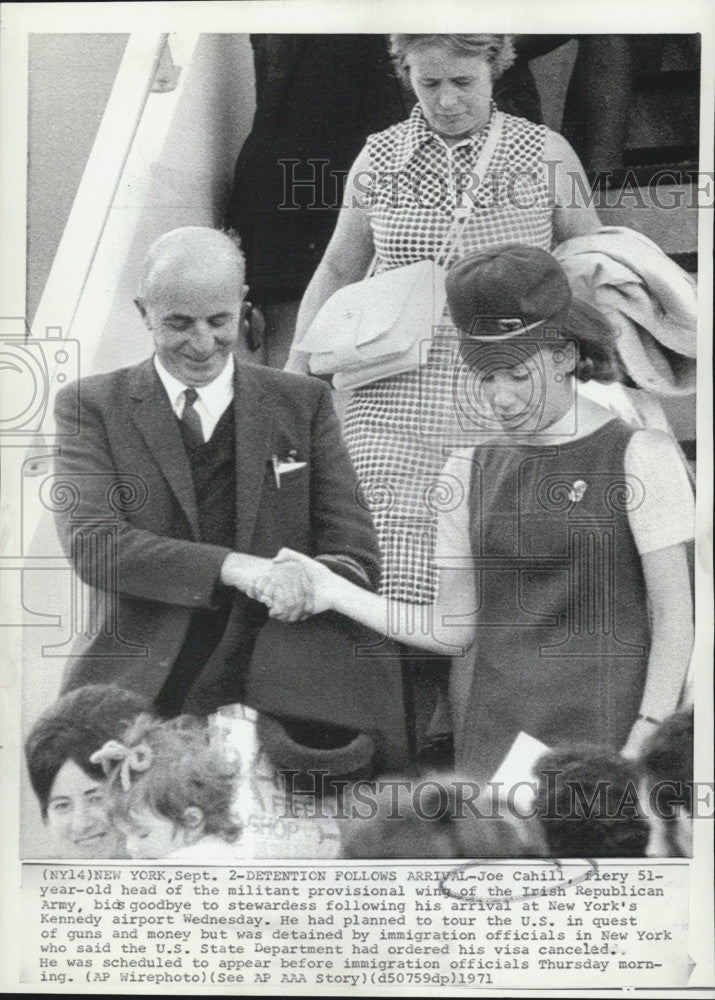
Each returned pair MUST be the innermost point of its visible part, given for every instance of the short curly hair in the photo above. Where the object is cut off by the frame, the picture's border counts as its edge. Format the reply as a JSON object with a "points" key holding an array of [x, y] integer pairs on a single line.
{"points": [[185, 770], [74, 727], [498, 50]]}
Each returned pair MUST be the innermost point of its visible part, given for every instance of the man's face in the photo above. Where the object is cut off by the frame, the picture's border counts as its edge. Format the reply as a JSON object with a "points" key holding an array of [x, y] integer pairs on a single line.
{"points": [[194, 317]]}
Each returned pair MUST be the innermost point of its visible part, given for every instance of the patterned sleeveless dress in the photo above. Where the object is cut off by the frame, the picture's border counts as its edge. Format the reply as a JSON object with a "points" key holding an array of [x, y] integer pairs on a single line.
{"points": [[401, 429]]}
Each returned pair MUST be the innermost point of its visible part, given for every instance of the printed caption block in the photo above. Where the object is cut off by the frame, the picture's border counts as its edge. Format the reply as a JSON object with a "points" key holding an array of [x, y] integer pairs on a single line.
{"points": [[479, 924]]}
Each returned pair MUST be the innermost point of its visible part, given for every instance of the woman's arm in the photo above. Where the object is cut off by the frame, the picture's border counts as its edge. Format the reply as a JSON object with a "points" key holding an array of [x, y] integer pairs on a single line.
{"points": [[446, 627], [667, 581], [346, 258], [574, 210], [442, 627]]}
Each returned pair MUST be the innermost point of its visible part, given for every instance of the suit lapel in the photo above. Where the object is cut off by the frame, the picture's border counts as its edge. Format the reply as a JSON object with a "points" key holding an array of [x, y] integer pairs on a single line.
{"points": [[253, 437], [156, 422]]}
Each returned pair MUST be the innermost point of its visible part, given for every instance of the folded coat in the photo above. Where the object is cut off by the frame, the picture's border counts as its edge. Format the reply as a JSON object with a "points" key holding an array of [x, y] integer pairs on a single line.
{"points": [[650, 301]]}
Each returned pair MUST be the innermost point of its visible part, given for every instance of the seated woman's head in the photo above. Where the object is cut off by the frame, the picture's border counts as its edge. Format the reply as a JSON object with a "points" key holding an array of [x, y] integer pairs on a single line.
{"points": [[524, 338], [587, 801], [69, 787], [452, 77], [667, 786], [168, 786]]}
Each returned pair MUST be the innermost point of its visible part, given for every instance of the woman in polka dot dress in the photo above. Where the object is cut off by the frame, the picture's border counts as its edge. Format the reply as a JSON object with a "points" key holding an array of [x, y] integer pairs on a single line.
{"points": [[400, 201]]}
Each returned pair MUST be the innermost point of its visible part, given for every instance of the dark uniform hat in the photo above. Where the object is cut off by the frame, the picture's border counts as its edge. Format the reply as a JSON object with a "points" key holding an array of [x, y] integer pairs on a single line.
{"points": [[506, 291]]}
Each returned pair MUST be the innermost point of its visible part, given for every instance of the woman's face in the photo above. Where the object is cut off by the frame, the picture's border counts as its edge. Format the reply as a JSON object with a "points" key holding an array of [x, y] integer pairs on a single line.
{"points": [[77, 816], [454, 91], [530, 395]]}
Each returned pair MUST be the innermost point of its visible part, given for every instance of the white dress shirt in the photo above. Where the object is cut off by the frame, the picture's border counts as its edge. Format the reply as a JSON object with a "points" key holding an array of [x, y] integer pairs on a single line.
{"points": [[212, 398]]}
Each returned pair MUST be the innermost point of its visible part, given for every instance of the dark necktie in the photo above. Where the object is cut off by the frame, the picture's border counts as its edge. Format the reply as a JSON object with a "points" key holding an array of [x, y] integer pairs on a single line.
{"points": [[190, 418]]}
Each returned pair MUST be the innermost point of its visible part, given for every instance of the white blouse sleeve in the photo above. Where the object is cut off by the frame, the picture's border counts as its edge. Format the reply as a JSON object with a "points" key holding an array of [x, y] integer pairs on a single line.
{"points": [[663, 511], [453, 522]]}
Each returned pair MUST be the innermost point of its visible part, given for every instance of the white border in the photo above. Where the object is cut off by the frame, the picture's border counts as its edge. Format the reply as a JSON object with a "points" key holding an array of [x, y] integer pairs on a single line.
{"points": [[646, 16]]}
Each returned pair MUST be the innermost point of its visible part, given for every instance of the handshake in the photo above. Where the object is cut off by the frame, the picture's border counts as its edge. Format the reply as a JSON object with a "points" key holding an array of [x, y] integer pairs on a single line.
{"points": [[292, 585]]}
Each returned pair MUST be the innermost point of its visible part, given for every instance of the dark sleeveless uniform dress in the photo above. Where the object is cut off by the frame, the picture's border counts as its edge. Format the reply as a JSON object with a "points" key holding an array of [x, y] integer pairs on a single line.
{"points": [[562, 621]]}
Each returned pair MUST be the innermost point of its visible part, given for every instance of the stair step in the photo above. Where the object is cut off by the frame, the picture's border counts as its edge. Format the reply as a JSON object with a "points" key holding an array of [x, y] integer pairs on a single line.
{"points": [[666, 213], [664, 117]]}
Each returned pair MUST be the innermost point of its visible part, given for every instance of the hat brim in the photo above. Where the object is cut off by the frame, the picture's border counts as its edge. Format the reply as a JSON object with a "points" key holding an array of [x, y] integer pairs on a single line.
{"points": [[578, 317]]}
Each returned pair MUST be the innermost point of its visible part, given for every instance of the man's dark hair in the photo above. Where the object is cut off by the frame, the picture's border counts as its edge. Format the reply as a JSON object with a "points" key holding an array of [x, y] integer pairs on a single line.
{"points": [[73, 728], [667, 755], [667, 764], [587, 802]]}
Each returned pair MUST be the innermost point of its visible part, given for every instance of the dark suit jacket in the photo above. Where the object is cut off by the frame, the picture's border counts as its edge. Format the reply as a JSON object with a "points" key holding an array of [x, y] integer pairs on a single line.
{"points": [[126, 515]]}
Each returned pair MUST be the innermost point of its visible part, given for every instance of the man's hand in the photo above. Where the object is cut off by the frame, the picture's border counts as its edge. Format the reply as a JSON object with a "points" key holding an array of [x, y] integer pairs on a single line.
{"points": [[243, 571], [293, 586], [321, 580], [287, 590]]}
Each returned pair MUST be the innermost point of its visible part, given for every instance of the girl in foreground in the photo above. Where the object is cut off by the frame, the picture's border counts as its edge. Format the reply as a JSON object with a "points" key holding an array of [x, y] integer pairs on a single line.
{"points": [[562, 552], [170, 791]]}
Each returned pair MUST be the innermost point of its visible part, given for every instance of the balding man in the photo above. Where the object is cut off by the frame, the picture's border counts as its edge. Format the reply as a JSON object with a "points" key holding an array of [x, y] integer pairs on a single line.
{"points": [[189, 472]]}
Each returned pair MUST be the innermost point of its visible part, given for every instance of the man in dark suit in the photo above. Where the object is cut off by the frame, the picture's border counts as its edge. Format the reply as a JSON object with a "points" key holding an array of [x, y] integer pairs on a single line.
{"points": [[188, 473]]}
